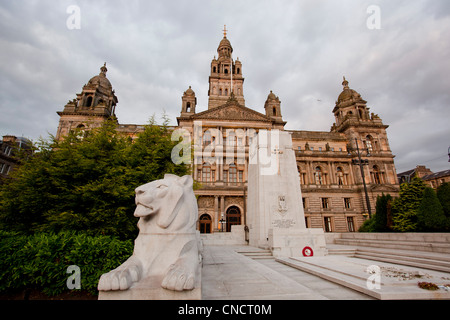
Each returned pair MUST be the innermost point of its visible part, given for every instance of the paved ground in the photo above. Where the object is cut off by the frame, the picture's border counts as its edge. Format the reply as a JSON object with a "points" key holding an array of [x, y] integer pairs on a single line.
{"points": [[228, 274]]}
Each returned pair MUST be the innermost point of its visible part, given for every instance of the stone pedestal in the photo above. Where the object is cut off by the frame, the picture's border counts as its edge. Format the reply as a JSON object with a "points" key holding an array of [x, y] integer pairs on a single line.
{"points": [[150, 289], [275, 213], [292, 242]]}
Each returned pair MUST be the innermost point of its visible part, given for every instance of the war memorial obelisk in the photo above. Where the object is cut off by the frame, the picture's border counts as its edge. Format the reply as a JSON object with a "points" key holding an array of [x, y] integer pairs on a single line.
{"points": [[276, 219]]}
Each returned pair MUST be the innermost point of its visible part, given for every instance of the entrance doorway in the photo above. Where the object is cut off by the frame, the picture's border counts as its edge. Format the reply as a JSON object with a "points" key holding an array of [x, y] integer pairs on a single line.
{"points": [[205, 223], [233, 217]]}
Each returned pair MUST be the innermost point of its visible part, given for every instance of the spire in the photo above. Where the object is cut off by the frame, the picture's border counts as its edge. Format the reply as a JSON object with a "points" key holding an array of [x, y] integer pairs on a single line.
{"points": [[103, 69], [224, 30], [345, 83]]}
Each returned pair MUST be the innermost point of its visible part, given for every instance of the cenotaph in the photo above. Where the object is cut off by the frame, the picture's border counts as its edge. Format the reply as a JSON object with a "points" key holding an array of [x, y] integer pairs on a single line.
{"points": [[275, 213]]}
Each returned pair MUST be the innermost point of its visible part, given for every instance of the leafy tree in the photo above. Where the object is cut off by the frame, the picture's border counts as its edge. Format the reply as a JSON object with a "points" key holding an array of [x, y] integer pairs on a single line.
{"points": [[443, 194], [368, 226], [382, 213], [86, 183], [430, 216], [405, 208]]}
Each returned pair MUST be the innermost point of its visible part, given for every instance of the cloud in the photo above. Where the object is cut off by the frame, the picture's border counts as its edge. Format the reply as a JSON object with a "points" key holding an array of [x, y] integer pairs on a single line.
{"points": [[299, 49]]}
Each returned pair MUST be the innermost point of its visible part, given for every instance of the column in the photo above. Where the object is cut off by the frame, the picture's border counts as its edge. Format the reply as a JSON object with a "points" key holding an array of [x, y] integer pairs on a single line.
{"points": [[216, 213]]}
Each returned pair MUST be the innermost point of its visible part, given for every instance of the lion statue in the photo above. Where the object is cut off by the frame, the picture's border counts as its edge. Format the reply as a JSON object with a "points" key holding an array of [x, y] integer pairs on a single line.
{"points": [[168, 249]]}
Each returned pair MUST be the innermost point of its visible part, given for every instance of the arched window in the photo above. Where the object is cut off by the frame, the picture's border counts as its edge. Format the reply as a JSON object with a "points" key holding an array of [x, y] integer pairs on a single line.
{"points": [[188, 107], [214, 69], [376, 175], [205, 223], [89, 101], [233, 217], [274, 111], [318, 176], [81, 131], [220, 91], [369, 143]]}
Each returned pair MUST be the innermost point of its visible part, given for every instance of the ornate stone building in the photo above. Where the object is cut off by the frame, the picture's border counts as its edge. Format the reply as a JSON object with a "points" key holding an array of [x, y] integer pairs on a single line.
{"points": [[341, 171]]}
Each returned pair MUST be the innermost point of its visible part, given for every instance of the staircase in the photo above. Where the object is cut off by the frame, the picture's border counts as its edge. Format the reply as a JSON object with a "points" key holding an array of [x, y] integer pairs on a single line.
{"points": [[257, 254], [417, 259], [422, 250], [429, 242]]}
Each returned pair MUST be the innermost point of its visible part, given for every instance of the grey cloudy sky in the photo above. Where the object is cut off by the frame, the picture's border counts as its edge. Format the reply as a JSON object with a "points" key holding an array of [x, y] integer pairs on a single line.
{"points": [[300, 49]]}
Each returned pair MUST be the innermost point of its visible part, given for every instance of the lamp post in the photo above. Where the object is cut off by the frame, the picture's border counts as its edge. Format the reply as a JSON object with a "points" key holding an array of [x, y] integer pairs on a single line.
{"points": [[222, 223], [361, 163], [448, 154]]}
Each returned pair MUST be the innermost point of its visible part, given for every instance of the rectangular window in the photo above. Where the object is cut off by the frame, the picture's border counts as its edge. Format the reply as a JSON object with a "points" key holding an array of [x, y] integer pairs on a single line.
{"points": [[347, 204], [325, 203], [241, 176], [304, 203], [327, 222], [350, 224]]}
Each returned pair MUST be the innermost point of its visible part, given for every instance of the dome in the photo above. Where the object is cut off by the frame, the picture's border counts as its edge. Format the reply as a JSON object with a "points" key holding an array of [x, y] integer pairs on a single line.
{"points": [[225, 43], [348, 93], [225, 49], [101, 79], [271, 96], [189, 92]]}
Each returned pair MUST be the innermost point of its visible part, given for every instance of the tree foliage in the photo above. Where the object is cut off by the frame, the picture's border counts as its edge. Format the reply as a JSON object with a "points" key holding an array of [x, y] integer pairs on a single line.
{"points": [[383, 212], [405, 208], [87, 183], [430, 216], [381, 221], [443, 194]]}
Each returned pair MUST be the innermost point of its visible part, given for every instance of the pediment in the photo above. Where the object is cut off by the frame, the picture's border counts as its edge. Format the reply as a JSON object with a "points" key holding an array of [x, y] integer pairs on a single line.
{"points": [[383, 188], [232, 110]]}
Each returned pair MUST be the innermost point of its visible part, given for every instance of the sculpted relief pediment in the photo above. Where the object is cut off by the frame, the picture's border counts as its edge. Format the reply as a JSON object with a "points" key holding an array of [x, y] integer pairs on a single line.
{"points": [[231, 112]]}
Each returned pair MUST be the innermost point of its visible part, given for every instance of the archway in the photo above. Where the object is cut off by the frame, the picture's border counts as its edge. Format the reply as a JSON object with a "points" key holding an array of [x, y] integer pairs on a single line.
{"points": [[205, 223], [233, 217]]}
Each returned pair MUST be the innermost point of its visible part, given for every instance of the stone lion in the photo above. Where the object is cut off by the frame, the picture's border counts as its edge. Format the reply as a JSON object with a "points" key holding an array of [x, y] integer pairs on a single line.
{"points": [[168, 249]]}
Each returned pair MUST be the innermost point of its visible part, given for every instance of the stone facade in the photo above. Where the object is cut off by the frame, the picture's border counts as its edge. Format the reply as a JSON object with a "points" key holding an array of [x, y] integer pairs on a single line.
{"points": [[9, 147], [330, 163]]}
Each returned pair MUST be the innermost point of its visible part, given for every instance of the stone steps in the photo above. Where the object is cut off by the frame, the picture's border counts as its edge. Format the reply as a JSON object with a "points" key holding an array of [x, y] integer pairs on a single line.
{"points": [[257, 255], [350, 252], [428, 242], [413, 258], [404, 245], [349, 273]]}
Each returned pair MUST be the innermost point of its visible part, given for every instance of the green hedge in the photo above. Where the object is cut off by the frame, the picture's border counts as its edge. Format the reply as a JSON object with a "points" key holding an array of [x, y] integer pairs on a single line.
{"points": [[40, 261]]}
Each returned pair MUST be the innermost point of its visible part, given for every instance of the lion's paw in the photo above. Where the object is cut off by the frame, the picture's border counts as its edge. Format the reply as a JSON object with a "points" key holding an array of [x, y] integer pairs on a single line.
{"points": [[179, 278], [119, 279]]}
